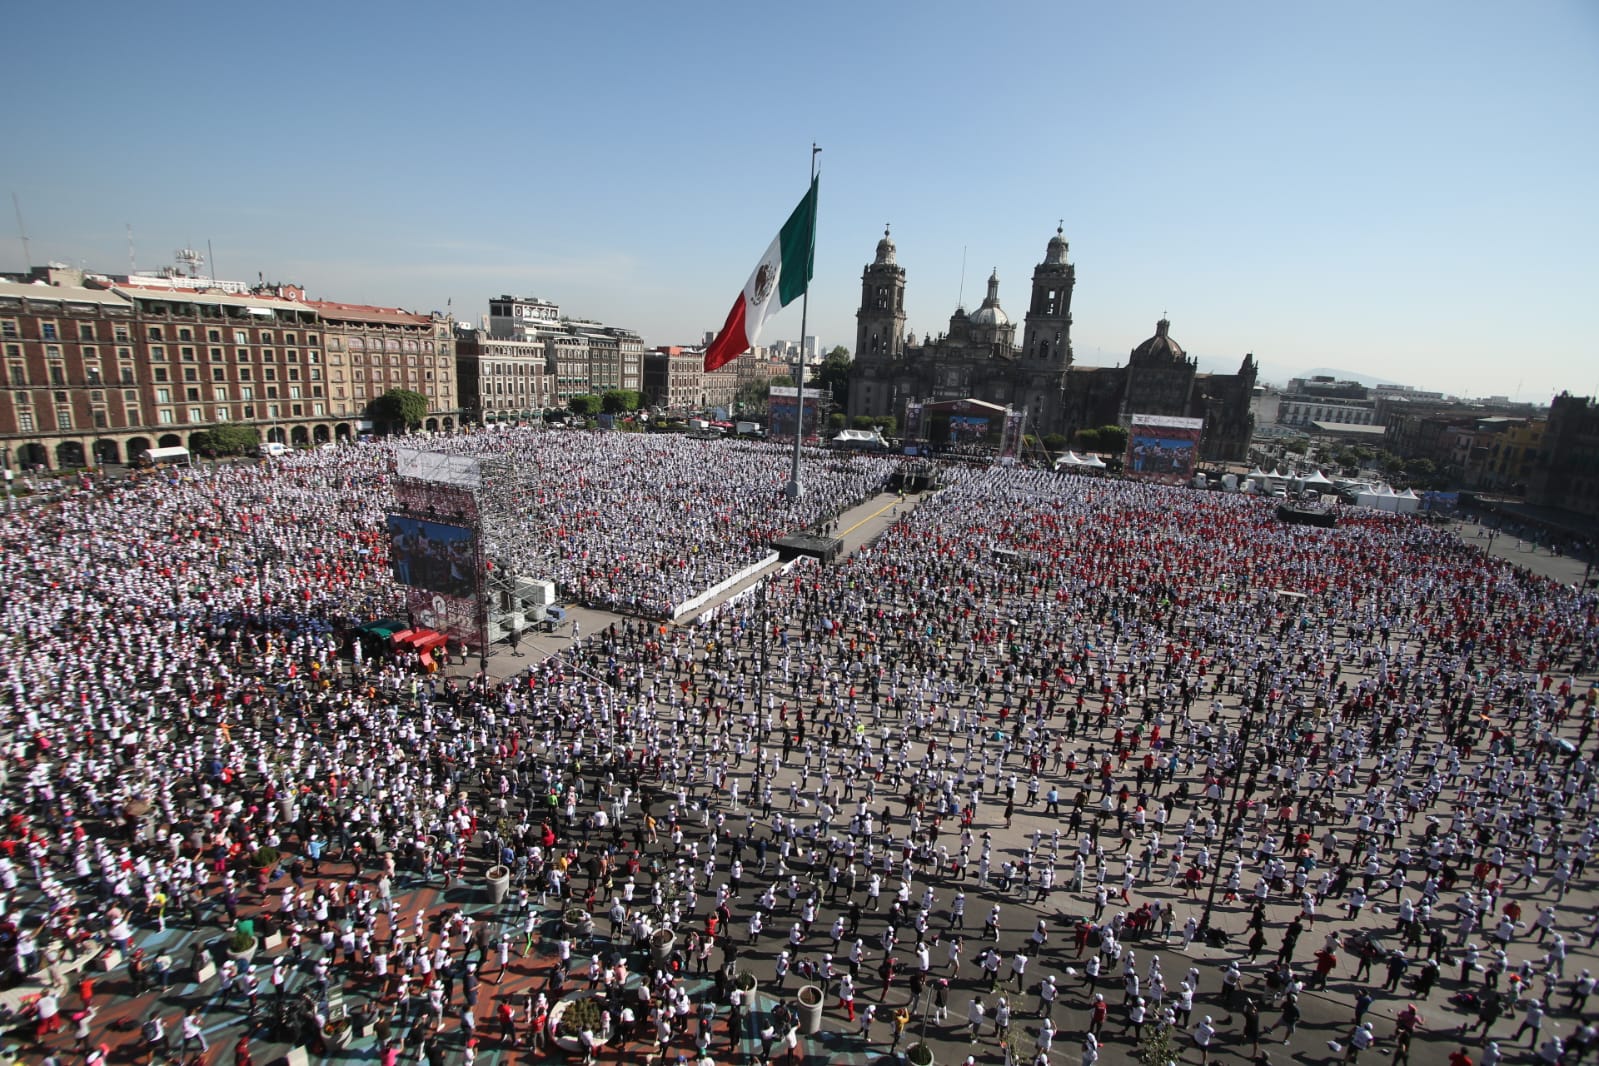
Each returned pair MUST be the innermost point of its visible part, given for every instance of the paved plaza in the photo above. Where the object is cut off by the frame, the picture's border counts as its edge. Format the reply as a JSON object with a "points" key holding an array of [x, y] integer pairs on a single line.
{"points": [[1047, 718]]}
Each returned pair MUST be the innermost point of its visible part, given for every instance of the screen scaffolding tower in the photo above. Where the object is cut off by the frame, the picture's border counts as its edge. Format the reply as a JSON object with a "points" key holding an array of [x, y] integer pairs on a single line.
{"points": [[514, 545]]}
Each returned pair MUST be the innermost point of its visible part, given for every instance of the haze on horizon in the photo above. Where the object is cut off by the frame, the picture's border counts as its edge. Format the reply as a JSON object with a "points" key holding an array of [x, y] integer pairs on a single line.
{"points": [[1402, 191]]}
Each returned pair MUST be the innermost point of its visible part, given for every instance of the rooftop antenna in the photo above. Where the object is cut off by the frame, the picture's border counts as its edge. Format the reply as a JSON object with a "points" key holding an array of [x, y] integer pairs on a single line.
{"points": [[212, 258], [133, 266], [22, 231], [190, 258], [960, 299]]}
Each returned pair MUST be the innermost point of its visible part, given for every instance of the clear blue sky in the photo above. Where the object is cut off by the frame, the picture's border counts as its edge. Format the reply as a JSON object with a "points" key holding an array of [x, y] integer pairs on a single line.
{"points": [[1403, 190]]}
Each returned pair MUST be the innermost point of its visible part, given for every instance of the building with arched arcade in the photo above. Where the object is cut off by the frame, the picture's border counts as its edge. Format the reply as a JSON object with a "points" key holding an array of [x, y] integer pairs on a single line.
{"points": [[98, 370]]}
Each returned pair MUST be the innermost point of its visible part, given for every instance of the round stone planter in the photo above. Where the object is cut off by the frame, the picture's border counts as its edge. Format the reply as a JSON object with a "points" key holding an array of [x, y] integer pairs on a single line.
{"points": [[811, 1002], [499, 883], [571, 1044], [919, 1055], [575, 921], [662, 943]]}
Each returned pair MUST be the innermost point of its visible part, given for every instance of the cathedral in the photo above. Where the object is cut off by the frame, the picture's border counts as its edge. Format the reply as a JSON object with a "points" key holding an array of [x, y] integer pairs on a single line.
{"points": [[978, 358]]}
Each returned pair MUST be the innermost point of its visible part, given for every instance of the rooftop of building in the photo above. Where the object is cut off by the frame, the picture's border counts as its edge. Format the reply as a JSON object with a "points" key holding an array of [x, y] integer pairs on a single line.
{"points": [[38, 290]]}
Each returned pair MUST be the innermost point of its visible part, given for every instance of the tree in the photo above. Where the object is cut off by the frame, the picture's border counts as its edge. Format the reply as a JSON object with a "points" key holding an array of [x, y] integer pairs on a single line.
{"points": [[1088, 440], [585, 406], [1297, 447], [619, 401], [751, 398], [1055, 442], [833, 375], [835, 420], [399, 409], [1113, 438], [229, 438], [1158, 1047]]}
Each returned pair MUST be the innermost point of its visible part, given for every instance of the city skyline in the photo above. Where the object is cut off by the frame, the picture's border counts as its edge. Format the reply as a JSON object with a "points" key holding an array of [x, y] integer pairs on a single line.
{"points": [[1397, 193]]}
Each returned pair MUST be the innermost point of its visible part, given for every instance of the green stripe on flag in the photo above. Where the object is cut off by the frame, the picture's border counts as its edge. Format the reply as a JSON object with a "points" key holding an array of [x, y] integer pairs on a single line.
{"points": [[798, 241]]}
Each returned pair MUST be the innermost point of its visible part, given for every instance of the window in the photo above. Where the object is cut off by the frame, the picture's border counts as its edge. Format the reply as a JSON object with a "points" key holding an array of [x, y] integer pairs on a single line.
{"points": [[216, 355], [219, 393], [246, 392], [121, 333], [294, 373], [165, 416], [316, 373], [63, 416], [100, 419], [47, 331], [192, 395], [196, 414], [8, 329], [271, 392], [292, 354], [130, 397], [244, 373], [265, 336], [241, 336], [154, 333], [272, 410], [214, 336], [223, 414], [25, 421], [266, 355], [297, 409], [294, 392], [163, 395], [86, 331], [288, 338], [124, 353], [218, 374], [158, 354], [18, 374], [190, 374], [52, 351], [58, 375], [127, 375], [241, 354], [185, 333], [269, 374], [249, 410]]}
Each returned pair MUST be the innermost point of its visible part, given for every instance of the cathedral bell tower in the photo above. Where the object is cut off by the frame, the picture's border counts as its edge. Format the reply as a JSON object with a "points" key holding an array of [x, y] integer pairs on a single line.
{"points": [[1047, 337], [880, 323]]}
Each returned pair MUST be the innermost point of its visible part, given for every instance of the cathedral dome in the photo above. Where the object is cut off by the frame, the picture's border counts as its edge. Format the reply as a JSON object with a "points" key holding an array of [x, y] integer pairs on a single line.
{"points": [[1160, 348], [990, 313], [885, 250]]}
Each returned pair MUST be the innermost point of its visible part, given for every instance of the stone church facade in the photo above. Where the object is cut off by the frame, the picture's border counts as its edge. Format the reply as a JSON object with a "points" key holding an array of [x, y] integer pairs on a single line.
{"points": [[978, 357]]}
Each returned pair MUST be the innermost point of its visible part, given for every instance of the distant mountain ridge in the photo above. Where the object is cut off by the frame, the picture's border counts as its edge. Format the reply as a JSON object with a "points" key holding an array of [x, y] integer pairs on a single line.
{"points": [[1277, 374]]}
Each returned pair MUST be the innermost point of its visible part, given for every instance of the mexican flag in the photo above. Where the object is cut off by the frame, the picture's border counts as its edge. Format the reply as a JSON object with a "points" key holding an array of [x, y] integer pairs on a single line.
{"points": [[778, 280]]}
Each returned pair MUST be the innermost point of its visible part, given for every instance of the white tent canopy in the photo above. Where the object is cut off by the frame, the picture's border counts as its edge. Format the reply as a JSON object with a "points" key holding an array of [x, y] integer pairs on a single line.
{"points": [[1069, 459], [1317, 479], [1095, 462]]}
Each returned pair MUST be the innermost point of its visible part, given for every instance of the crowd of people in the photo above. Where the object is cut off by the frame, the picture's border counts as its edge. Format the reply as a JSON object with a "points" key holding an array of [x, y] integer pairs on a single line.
{"points": [[981, 782]]}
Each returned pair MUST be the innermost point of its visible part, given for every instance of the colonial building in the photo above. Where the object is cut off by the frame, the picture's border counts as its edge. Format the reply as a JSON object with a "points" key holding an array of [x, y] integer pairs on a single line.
{"points": [[581, 357], [979, 357], [502, 380], [1565, 473], [101, 368]]}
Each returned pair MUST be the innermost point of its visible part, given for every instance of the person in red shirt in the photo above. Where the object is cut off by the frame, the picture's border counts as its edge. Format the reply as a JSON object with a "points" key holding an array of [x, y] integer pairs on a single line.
{"points": [[1459, 1058]]}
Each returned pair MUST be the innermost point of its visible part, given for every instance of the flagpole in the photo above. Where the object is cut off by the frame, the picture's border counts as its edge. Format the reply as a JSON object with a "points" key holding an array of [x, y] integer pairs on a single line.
{"points": [[794, 490]]}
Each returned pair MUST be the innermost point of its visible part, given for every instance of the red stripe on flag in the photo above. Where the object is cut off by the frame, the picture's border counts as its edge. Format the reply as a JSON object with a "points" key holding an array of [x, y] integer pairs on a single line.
{"points": [[732, 342]]}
